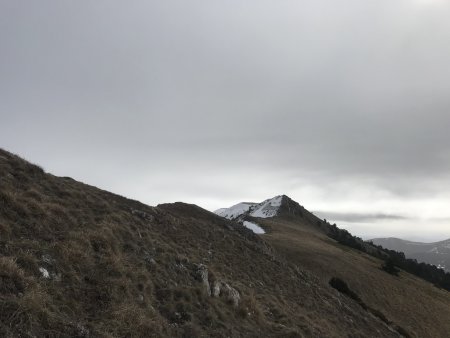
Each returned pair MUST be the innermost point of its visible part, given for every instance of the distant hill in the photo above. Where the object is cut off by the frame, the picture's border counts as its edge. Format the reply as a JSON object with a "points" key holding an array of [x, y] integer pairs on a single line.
{"points": [[437, 253]]}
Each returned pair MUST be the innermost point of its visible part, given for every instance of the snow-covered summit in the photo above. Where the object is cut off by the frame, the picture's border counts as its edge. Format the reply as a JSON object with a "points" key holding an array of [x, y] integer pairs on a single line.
{"points": [[268, 208], [236, 210]]}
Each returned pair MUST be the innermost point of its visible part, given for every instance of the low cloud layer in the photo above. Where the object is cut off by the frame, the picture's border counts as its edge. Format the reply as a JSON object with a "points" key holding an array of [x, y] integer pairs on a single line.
{"points": [[357, 218], [342, 106]]}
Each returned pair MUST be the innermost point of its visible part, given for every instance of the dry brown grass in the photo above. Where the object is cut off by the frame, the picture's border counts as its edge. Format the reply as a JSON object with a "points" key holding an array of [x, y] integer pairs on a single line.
{"points": [[414, 305], [118, 268], [12, 278]]}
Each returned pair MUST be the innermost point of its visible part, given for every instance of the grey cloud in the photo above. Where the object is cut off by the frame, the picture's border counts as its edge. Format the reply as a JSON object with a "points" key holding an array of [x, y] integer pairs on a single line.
{"points": [[357, 217], [216, 102]]}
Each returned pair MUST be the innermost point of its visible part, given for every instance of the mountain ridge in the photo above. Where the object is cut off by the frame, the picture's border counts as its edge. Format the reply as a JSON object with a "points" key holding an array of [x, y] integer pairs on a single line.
{"points": [[77, 261]]}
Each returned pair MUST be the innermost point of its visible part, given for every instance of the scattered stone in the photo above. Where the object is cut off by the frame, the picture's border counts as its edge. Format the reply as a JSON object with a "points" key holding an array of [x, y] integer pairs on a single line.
{"points": [[143, 215], [44, 272], [56, 276], [149, 259], [216, 289], [224, 289], [180, 266], [202, 274], [231, 294], [46, 258], [83, 331]]}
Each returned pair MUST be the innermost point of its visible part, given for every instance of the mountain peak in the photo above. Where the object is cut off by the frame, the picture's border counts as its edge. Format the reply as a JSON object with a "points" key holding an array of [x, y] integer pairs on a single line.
{"points": [[265, 209], [271, 207]]}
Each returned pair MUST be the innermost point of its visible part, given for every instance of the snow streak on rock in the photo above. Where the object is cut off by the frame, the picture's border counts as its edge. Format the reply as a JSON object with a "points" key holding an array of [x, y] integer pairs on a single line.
{"points": [[268, 208]]}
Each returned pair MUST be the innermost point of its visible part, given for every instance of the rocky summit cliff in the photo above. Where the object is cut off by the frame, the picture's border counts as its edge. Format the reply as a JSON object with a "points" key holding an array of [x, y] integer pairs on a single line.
{"points": [[77, 261]]}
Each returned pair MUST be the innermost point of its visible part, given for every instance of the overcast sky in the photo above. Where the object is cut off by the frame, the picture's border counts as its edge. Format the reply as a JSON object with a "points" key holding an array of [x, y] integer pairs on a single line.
{"points": [[342, 105]]}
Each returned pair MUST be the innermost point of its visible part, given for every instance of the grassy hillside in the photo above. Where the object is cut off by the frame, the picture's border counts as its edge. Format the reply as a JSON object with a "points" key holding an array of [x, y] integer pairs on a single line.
{"points": [[412, 304], [76, 261]]}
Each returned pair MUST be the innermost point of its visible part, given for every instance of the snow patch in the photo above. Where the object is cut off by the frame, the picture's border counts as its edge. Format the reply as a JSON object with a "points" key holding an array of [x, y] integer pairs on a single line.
{"points": [[254, 227]]}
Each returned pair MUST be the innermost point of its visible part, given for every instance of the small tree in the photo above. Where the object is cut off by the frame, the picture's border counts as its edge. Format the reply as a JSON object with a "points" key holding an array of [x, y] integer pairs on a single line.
{"points": [[389, 267]]}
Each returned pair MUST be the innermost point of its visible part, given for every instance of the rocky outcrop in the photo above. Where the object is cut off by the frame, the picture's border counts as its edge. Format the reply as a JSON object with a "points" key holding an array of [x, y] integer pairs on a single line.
{"points": [[202, 275], [217, 288], [143, 215], [227, 291]]}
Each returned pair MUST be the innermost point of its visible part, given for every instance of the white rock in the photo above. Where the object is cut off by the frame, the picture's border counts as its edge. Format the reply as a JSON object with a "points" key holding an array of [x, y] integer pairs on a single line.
{"points": [[44, 272]]}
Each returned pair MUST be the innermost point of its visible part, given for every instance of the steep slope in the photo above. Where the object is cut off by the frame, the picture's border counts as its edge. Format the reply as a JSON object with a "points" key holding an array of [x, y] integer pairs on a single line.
{"points": [[413, 306], [76, 261], [437, 253]]}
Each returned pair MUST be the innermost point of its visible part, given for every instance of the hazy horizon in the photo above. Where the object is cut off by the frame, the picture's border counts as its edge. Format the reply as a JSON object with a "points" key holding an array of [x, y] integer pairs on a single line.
{"points": [[344, 106]]}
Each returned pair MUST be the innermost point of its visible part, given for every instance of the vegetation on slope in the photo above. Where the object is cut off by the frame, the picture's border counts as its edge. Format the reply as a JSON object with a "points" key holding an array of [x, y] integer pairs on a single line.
{"points": [[411, 305], [428, 272], [76, 261]]}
